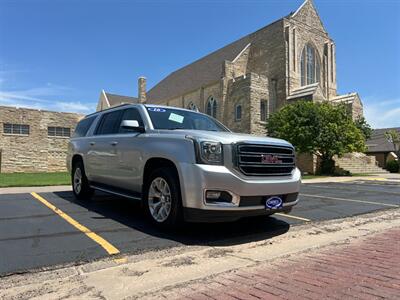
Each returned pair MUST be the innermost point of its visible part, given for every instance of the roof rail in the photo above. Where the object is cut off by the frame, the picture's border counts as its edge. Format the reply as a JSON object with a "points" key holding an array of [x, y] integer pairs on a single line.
{"points": [[117, 106]]}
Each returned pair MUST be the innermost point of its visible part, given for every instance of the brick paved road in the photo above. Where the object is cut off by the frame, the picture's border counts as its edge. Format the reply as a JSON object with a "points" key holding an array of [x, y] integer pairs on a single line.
{"points": [[363, 269]]}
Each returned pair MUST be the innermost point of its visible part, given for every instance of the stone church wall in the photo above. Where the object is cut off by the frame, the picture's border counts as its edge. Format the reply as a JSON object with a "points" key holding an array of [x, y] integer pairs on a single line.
{"points": [[258, 92], [36, 152], [238, 94], [305, 28], [267, 58], [194, 97]]}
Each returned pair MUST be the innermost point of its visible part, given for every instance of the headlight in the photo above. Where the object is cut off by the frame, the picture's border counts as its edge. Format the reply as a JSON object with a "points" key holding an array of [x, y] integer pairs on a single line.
{"points": [[211, 152], [207, 152]]}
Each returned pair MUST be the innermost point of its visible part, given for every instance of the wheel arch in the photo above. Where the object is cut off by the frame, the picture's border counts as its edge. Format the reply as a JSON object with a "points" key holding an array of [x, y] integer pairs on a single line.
{"points": [[160, 162], [156, 163], [75, 159]]}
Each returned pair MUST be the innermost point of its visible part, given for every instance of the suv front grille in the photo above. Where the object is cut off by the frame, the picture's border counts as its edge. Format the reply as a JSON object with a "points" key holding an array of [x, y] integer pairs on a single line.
{"points": [[264, 160]]}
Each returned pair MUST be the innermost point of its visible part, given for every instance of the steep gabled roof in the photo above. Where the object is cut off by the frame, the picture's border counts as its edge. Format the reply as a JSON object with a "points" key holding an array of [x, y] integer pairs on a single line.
{"points": [[307, 11], [115, 100], [378, 141], [199, 73]]}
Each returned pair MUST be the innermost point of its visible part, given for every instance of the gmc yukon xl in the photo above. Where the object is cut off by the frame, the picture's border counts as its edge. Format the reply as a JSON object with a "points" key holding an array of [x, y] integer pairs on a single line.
{"points": [[181, 164]]}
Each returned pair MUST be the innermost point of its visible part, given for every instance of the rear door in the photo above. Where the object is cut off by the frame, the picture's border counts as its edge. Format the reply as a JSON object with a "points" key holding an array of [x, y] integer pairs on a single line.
{"points": [[103, 154]]}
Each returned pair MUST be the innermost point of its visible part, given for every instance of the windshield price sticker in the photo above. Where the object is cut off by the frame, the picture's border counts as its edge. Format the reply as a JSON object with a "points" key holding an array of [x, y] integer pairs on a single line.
{"points": [[176, 118], [156, 109]]}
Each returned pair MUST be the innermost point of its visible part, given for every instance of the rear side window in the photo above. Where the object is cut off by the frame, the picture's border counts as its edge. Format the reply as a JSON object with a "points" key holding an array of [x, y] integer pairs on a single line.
{"points": [[83, 126], [109, 123]]}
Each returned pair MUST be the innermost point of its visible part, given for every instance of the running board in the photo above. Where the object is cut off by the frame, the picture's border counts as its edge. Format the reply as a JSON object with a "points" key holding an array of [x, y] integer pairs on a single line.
{"points": [[116, 192]]}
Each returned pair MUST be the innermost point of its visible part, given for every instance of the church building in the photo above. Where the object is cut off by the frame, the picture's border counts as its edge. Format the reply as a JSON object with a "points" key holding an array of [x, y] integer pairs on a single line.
{"points": [[244, 82]]}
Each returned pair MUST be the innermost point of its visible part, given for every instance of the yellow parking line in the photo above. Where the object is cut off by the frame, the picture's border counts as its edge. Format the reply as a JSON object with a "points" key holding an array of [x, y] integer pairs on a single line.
{"points": [[293, 217], [121, 260], [98, 239], [351, 200]]}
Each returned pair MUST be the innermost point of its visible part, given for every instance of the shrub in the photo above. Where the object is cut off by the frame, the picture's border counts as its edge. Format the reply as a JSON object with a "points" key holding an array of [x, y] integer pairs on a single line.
{"points": [[393, 166], [319, 128]]}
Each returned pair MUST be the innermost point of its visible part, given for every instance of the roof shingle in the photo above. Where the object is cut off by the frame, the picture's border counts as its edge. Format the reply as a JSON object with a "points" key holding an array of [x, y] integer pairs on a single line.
{"points": [[115, 100], [378, 141], [199, 73]]}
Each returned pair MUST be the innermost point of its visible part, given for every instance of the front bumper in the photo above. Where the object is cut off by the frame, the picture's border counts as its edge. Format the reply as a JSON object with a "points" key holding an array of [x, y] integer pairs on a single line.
{"points": [[196, 179]]}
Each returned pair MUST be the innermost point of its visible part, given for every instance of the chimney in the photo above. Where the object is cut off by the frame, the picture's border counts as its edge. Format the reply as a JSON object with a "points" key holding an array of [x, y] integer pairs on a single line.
{"points": [[142, 89]]}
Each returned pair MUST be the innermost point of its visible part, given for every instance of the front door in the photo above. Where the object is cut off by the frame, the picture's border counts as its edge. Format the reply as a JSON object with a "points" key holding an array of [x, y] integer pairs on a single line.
{"points": [[129, 155]]}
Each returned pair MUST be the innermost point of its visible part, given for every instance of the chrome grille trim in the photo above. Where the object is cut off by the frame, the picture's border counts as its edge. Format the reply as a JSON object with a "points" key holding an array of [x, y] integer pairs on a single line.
{"points": [[248, 159]]}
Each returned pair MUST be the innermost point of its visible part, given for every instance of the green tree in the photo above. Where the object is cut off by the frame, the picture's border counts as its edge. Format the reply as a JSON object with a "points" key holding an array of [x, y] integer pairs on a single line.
{"points": [[365, 128], [393, 137], [318, 128]]}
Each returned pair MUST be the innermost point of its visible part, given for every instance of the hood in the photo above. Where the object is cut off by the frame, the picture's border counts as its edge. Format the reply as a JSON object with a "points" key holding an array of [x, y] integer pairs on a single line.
{"points": [[223, 137]]}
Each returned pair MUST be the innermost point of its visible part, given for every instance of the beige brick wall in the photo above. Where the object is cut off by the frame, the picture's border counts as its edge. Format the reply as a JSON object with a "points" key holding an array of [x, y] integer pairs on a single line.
{"points": [[307, 163], [35, 152], [238, 94], [305, 28]]}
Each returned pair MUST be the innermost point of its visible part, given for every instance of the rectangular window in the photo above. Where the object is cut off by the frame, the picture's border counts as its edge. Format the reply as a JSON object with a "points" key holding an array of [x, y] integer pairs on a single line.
{"points": [[238, 112], [58, 131], [83, 126], [130, 114], [15, 128], [263, 110], [109, 123]]}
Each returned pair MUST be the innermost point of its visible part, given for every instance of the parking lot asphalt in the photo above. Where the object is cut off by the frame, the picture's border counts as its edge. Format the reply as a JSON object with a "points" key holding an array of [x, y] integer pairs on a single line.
{"points": [[60, 229]]}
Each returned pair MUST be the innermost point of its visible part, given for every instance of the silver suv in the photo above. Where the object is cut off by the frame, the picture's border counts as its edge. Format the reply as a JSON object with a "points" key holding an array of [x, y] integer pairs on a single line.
{"points": [[181, 164]]}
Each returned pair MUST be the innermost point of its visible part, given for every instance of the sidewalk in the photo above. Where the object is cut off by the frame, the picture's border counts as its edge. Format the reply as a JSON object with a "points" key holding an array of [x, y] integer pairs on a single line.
{"points": [[343, 258], [366, 269], [393, 177], [36, 189]]}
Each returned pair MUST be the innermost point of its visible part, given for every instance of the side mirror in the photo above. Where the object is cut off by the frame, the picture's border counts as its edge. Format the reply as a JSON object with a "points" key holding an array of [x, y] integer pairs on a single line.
{"points": [[132, 125]]}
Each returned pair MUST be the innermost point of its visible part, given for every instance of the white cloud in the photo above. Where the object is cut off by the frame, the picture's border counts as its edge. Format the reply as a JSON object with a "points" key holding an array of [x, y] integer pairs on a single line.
{"points": [[73, 106], [38, 98], [382, 114]]}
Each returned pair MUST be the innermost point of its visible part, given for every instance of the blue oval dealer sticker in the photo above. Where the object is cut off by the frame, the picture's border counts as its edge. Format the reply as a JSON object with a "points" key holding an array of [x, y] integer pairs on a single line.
{"points": [[273, 202]]}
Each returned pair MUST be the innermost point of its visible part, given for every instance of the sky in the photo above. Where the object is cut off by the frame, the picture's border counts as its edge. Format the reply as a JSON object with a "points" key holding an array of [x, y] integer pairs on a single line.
{"points": [[59, 54]]}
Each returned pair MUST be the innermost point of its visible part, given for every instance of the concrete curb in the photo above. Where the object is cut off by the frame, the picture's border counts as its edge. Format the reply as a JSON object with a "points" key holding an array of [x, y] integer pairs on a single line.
{"points": [[36, 189]]}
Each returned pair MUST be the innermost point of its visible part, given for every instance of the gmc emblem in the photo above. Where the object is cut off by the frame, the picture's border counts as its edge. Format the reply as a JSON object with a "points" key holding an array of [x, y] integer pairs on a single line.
{"points": [[270, 159]]}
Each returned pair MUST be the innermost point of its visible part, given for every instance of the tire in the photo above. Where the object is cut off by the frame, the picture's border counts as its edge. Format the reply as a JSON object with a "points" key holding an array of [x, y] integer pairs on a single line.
{"points": [[80, 183], [163, 182]]}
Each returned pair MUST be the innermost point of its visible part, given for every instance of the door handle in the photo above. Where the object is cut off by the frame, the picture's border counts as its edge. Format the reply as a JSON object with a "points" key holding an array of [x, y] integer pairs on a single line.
{"points": [[92, 143], [114, 143]]}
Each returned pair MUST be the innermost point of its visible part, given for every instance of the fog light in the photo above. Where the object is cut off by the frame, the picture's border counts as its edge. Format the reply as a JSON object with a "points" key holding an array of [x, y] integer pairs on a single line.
{"points": [[213, 195], [218, 197]]}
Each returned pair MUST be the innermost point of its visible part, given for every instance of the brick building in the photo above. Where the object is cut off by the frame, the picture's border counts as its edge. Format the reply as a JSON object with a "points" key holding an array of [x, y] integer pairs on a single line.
{"points": [[34, 140]]}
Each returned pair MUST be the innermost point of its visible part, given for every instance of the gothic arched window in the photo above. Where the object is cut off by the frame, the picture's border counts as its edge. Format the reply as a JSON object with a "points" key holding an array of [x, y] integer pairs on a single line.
{"points": [[192, 106], [309, 65], [238, 112], [211, 107]]}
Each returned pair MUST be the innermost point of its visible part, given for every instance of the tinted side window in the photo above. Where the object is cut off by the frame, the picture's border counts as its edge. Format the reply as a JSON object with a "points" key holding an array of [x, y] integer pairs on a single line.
{"points": [[83, 126], [109, 123], [130, 114]]}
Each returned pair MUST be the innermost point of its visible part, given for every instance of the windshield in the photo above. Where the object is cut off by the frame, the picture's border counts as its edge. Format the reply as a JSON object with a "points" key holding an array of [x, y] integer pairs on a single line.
{"points": [[169, 118]]}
